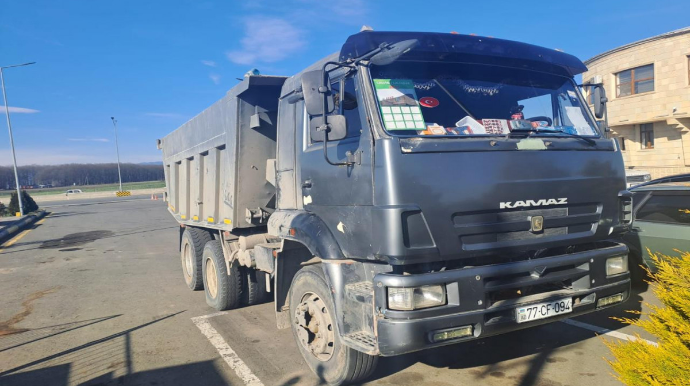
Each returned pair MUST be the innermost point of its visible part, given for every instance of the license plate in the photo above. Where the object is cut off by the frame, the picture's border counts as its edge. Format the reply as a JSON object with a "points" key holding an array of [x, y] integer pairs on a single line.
{"points": [[543, 310]]}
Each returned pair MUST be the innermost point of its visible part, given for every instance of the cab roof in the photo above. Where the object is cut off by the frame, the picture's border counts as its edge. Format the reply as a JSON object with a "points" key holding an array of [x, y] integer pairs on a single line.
{"points": [[434, 46]]}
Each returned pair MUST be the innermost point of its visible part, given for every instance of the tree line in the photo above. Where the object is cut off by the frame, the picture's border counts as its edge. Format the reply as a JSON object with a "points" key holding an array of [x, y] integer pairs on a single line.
{"points": [[78, 174]]}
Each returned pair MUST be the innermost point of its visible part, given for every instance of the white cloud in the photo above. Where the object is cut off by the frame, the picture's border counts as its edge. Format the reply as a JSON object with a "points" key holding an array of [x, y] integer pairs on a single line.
{"points": [[88, 139], [215, 78], [267, 39], [20, 110], [209, 63], [164, 115]]}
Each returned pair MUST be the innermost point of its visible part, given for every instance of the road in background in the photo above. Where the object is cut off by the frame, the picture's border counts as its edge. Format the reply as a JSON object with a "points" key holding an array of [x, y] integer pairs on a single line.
{"points": [[94, 294]]}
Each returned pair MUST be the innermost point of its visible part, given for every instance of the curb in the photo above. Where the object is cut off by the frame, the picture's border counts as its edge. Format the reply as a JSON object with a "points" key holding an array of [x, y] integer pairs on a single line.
{"points": [[8, 232]]}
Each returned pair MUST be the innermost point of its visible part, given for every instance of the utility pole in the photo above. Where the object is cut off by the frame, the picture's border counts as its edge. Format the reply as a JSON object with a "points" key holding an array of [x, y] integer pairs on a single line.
{"points": [[9, 127], [117, 149]]}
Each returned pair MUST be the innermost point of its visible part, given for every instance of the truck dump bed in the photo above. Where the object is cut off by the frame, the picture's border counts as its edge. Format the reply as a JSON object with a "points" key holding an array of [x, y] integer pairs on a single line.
{"points": [[215, 164]]}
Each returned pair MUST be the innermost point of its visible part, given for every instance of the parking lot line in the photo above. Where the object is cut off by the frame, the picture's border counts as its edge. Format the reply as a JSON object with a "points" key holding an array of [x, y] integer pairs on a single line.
{"points": [[606, 331], [226, 352]]}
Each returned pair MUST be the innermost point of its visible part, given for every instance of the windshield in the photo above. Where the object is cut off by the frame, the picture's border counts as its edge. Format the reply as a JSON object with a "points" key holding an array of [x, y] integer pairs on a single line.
{"points": [[458, 99]]}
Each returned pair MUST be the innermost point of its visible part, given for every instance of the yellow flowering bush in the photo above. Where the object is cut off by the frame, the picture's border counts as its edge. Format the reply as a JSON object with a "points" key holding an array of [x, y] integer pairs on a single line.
{"points": [[641, 363]]}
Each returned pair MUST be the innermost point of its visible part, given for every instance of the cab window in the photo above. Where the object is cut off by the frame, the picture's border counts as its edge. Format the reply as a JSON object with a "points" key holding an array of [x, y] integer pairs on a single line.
{"points": [[666, 208], [344, 93]]}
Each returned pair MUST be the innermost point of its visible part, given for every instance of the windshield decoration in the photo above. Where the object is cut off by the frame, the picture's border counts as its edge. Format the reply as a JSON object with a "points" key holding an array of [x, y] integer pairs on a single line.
{"points": [[429, 102], [399, 104], [484, 90]]}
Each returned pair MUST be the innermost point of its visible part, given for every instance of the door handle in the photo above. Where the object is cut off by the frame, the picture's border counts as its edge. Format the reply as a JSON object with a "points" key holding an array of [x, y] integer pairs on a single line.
{"points": [[306, 184]]}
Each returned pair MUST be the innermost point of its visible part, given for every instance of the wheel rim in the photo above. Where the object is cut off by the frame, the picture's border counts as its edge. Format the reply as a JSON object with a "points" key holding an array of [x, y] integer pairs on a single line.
{"points": [[188, 260], [211, 279], [315, 330]]}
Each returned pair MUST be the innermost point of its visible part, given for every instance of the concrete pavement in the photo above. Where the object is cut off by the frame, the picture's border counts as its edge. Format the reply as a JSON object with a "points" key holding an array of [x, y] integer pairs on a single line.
{"points": [[94, 294]]}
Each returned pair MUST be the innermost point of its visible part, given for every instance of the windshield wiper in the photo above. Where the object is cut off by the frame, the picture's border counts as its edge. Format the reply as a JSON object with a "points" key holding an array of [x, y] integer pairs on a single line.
{"points": [[535, 130]]}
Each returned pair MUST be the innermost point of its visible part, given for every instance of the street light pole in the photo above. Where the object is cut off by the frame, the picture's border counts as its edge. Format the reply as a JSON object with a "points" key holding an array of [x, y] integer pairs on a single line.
{"points": [[9, 127], [117, 149]]}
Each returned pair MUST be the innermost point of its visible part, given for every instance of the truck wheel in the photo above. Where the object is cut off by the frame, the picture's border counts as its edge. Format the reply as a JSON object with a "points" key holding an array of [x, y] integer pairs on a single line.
{"points": [[316, 331], [193, 241], [223, 289], [255, 291]]}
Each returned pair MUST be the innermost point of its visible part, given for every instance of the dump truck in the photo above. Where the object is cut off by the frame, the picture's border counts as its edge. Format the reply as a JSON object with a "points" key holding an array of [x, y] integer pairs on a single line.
{"points": [[410, 191]]}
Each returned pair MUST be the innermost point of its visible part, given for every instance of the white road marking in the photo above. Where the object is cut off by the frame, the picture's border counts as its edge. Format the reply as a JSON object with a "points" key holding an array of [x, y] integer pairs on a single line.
{"points": [[226, 352], [93, 203], [606, 331]]}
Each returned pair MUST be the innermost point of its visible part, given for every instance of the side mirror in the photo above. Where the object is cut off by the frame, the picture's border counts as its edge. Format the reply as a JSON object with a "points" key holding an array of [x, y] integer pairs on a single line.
{"points": [[337, 128], [599, 101], [315, 87]]}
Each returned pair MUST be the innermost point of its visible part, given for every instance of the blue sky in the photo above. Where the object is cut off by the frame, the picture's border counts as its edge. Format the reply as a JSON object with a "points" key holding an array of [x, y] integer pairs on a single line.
{"points": [[155, 64]]}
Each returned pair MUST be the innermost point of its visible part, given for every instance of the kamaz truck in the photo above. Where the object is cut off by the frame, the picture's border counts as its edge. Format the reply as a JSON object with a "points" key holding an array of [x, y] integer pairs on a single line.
{"points": [[410, 191]]}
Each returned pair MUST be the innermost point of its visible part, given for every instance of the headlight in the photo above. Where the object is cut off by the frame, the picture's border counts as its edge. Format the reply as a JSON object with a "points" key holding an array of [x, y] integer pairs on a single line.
{"points": [[415, 298], [647, 177], [616, 265]]}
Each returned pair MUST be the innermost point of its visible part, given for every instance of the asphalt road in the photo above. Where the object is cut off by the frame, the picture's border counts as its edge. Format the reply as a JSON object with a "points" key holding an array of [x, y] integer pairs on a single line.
{"points": [[94, 295]]}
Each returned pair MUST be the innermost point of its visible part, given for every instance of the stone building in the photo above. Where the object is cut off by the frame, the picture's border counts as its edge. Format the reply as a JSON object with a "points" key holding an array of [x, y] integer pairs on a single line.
{"points": [[648, 87]]}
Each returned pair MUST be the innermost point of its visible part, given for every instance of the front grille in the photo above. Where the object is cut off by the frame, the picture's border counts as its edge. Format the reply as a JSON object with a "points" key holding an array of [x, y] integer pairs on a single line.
{"points": [[494, 229]]}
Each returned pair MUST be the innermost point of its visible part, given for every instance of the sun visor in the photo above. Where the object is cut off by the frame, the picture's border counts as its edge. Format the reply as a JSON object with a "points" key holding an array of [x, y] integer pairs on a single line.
{"points": [[468, 49]]}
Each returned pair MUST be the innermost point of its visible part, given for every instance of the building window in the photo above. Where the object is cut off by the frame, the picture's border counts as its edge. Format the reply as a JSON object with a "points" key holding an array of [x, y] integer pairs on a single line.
{"points": [[622, 140], [635, 81], [647, 135]]}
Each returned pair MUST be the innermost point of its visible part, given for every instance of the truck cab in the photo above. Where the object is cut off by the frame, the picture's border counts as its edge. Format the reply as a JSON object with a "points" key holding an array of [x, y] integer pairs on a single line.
{"points": [[470, 177]]}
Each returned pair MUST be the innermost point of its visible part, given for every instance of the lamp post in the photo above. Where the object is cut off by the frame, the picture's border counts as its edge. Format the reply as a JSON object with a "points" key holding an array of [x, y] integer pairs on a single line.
{"points": [[117, 149], [9, 127]]}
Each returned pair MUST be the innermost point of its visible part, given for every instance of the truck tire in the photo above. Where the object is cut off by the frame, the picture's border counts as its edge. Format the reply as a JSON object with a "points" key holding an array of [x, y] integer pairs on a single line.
{"points": [[255, 290], [316, 331], [223, 289], [191, 249]]}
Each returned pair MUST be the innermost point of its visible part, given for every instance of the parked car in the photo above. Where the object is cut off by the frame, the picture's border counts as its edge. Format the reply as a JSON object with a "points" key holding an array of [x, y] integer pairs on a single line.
{"points": [[636, 177], [661, 210], [73, 191]]}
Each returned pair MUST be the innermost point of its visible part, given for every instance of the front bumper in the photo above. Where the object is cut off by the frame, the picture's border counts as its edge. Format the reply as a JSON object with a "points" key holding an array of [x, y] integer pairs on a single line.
{"points": [[476, 297]]}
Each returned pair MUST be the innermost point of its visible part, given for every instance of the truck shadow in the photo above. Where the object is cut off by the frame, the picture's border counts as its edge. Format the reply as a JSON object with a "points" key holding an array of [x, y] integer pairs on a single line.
{"points": [[27, 336], [491, 357], [107, 361]]}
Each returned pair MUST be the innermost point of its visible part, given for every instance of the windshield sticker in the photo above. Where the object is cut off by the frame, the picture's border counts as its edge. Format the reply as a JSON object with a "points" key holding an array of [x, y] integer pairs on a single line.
{"points": [[429, 102], [399, 107], [578, 120]]}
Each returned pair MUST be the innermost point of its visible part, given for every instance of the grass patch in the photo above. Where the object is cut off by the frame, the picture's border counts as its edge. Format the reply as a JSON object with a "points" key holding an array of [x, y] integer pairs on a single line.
{"points": [[90, 188]]}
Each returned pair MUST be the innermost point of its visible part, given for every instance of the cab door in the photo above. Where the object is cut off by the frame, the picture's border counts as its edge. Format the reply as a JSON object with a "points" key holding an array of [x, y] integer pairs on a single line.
{"points": [[340, 195]]}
